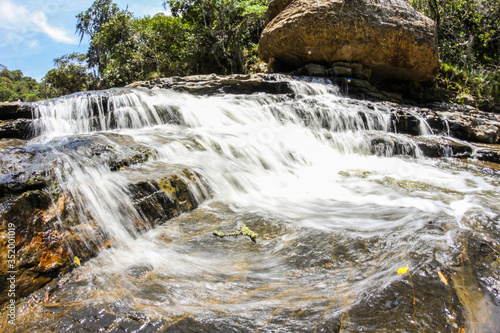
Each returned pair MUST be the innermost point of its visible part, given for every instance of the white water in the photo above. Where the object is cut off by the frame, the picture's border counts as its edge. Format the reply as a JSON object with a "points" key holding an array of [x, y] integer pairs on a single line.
{"points": [[300, 170], [306, 159]]}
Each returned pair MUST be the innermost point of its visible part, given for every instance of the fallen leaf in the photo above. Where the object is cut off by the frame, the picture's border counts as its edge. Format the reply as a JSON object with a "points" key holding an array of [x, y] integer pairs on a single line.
{"points": [[77, 261], [403, 270], [441, 276]]}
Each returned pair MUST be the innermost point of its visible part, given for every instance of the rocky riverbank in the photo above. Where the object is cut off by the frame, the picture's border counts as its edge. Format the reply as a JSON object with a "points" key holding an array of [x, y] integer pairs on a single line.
{"points": [[53, 228]]}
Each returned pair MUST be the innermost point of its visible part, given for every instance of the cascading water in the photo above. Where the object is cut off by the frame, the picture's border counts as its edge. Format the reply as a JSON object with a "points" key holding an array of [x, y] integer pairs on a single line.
{"points": [[315, 174]]}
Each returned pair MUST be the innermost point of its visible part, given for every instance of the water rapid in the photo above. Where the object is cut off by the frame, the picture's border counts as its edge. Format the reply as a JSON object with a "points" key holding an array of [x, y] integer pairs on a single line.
{"points": [[340, 201]]}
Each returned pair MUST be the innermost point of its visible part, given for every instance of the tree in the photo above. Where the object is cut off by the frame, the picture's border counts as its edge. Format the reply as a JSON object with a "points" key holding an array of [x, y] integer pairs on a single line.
{"points": [[469, 43], [15, 86], [226, 29], [90, 23], [468, 30], [70, 75], [139, 48]]}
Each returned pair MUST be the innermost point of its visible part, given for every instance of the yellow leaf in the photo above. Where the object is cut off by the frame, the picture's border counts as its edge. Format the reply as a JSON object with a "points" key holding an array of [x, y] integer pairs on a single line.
{"points": [[403, 270], [77, 261], [441, 276]]}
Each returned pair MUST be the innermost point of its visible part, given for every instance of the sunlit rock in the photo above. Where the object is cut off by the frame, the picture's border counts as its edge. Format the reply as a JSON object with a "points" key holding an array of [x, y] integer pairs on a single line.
{"points": [[389, 37]]}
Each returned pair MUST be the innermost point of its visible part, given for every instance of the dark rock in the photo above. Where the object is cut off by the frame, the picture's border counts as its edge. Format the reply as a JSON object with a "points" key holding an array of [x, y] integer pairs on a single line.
{"points": [[158, 200], [215, 84], [16, 129], [315, 70], [15, 110], [51, 227], [488, 155], [406, 123], [443, 147], [396, 306]]}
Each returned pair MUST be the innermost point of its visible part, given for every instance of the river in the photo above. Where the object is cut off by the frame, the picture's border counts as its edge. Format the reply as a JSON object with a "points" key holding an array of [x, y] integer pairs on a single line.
{"points": [[351, 236]]}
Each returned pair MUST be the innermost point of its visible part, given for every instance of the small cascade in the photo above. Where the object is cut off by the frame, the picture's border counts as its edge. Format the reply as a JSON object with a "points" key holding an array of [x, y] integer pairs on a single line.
{"points": [[338, 190]]}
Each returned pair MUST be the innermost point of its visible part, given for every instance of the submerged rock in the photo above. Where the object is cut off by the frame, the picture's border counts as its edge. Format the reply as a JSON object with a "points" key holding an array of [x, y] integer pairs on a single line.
{"points": [[391, 38]]}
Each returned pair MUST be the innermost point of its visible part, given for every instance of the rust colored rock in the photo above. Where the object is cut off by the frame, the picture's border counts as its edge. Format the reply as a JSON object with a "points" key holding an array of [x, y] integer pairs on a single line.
{"points": [[43, 227], [388, 36]]}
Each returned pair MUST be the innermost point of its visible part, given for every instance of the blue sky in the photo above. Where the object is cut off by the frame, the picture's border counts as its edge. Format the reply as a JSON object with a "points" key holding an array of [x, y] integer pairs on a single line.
{"points": [[35, 32]]}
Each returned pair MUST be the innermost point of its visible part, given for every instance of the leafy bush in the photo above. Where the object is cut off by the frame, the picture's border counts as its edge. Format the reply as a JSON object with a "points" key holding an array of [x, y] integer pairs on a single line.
{"points": [[469, 42]]}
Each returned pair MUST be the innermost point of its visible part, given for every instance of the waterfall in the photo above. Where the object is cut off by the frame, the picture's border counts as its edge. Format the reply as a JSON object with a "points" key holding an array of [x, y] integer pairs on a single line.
{"points": [[339, 199], [279, 153]]}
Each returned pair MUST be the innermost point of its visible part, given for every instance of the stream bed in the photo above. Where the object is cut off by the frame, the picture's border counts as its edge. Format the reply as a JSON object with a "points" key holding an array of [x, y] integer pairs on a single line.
{"points": [[352, 235]]}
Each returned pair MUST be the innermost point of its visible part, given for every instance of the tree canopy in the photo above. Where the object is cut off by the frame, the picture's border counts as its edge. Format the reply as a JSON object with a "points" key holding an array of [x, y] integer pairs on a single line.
{"points": [[15, 86], [221, 36]]}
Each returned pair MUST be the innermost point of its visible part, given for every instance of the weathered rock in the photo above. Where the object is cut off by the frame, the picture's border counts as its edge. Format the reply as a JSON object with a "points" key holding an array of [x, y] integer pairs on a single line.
{"points": [[458, 121], [275, 7], [16, 129], [158, 200], [50, 227], [389, 37], [315, 70], [15, 110], [213, 84]]}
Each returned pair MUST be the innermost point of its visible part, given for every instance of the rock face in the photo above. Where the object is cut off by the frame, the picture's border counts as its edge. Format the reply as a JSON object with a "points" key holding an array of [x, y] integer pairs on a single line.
{"points": [[48, 225], [214, 84], [15, 120], [387, 36]]}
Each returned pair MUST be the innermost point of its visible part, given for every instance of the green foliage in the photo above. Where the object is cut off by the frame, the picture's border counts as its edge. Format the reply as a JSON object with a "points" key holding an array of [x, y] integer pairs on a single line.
{"points": [[469, 42], [70, 75], [137, 48], [225, 29], [90, 23], [202, 37], [482, 84], [15, 86]]}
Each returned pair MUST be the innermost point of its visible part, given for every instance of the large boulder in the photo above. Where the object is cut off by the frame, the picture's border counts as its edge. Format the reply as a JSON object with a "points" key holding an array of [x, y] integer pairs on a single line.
{"points": [[388, 36]]}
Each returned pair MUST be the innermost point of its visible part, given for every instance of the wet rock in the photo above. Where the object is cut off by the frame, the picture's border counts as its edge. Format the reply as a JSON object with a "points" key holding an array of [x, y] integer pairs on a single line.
{"points": [[51, 227], [16, 129], [44, 247], [461, 122], [168, 197], [389, 37], [392, 146], [116, 150], [406, 123], [402, 301], [216, 84], [442, 147], [488, 155]]}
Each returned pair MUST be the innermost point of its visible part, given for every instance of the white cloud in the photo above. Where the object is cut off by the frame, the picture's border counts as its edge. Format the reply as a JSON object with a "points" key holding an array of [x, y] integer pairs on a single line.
{"points": [[17, 22], [59, 35]]}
